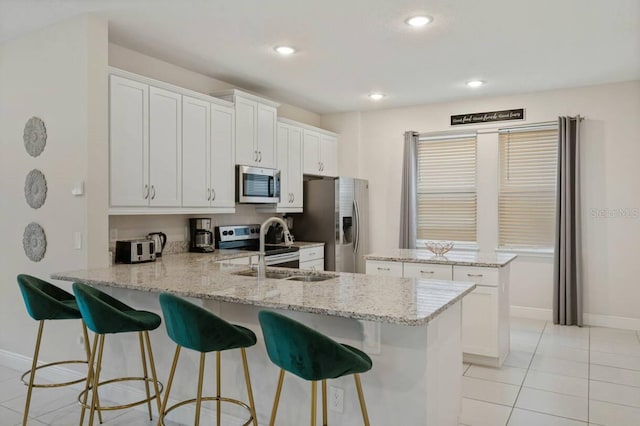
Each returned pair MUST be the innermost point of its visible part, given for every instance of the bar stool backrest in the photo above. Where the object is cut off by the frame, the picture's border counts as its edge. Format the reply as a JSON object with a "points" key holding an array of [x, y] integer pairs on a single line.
{"points": [[45, 301]]}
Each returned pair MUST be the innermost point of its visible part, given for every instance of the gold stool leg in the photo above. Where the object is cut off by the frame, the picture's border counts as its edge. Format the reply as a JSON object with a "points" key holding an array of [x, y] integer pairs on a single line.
{"points": [[96, 380], [363, 406], [199, 396], [324, 403], [247, 380], [146, 374], [169, 383], [90, 361], [32, 374], [154, 375], [218, 405], [274, 411], [314, 397], [88, 383]]}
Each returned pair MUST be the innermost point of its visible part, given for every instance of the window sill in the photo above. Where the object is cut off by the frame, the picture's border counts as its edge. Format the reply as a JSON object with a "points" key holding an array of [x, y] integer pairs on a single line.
{"points": [[546, 253]]}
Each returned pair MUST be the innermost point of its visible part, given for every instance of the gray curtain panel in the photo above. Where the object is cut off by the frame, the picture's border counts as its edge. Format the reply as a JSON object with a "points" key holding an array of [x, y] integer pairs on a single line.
{"points": [[408, 202], [567, 270]]}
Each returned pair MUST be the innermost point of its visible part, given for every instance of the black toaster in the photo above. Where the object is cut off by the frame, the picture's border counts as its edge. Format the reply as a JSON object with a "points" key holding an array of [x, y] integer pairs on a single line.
{"points": [[135, 251]]}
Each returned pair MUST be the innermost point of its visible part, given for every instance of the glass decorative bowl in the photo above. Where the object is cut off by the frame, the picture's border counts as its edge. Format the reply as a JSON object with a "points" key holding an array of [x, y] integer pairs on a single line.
{"points": [[439, 248]]}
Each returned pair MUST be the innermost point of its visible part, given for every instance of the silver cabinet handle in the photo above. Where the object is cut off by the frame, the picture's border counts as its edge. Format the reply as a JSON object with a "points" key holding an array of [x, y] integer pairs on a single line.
{"points": [[255, 155], [427, 272], [146, 191], [153, 192], [475, 275], [208, 194], [293, 197], [259, 156], [213, 194], [383, 269], [322, 166], [319, 166]]}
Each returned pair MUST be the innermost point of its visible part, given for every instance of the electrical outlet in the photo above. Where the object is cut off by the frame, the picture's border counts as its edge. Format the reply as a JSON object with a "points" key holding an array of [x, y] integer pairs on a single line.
{"points": [[113, 234], [80, 340], [336, 399]]}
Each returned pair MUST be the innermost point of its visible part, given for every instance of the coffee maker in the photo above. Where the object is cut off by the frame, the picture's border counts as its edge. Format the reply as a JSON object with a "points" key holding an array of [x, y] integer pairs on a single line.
{"points": [[201, 237]]}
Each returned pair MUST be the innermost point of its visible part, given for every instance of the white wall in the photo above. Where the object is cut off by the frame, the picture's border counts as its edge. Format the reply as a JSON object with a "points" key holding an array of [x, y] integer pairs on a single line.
{"points": [[57, 74], [610, 177]]}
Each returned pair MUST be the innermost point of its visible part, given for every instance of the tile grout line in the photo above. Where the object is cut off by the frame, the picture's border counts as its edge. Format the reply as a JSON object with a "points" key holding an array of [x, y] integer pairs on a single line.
{"points": [[527, 372]]}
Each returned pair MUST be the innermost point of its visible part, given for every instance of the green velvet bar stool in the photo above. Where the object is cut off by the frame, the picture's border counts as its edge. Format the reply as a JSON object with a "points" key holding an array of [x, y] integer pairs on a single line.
{"points": [[105, 315], [312, 356], [196, 328], [44, 301]]}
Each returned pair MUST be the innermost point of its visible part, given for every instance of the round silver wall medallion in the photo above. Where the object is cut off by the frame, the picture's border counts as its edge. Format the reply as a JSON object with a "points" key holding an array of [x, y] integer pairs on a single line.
{"points": [[34, 242], [35, 136], [35, 189]]}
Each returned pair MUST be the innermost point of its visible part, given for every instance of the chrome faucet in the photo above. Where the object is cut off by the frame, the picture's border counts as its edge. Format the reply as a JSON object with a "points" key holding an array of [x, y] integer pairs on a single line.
{"points": [[288, 239]]}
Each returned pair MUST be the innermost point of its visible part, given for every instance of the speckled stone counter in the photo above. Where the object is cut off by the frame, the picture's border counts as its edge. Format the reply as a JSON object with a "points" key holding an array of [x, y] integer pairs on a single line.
{"points": [[492, 260], [405, 301]]}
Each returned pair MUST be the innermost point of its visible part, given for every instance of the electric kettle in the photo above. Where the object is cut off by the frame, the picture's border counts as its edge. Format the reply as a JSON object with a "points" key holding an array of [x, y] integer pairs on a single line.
{"points": [[159, 241]]}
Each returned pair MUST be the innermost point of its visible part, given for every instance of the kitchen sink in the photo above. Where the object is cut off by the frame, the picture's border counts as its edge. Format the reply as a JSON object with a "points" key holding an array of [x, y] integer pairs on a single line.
{"points": [[291, 276]]}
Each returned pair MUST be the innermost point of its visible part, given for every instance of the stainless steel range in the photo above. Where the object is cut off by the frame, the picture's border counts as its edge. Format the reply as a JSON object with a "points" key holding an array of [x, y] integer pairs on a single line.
{"points": [[247, 237]]}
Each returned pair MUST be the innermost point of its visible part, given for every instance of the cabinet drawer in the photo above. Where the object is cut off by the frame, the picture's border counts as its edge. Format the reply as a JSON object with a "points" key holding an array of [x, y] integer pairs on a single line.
{"points": [[313, 265], [390, 269], [429, 271], [313, 253], [479, 275]]}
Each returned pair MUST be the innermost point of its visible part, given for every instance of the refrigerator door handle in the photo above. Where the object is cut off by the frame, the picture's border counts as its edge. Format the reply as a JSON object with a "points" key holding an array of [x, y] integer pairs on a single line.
{"points": [[356, 240]]}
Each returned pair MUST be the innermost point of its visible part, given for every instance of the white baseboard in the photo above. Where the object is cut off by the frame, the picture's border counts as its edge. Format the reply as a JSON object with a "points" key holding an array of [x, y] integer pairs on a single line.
{"points": [[596, 320], [115, 393]]}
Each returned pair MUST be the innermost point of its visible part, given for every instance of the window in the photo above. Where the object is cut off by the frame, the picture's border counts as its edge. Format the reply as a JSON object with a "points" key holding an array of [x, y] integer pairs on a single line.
{"points": [[527, 199], [447, 188]]}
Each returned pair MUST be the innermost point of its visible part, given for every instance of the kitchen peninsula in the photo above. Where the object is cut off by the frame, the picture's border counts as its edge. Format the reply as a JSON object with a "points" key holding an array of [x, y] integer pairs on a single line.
{"points": [[411, 328], [485, 313]]}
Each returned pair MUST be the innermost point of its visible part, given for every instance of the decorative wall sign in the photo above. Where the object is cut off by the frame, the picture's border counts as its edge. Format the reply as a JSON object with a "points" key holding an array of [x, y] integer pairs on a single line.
{"points": [[34, 242], [35, 136], [488, 117], [35, 189]]}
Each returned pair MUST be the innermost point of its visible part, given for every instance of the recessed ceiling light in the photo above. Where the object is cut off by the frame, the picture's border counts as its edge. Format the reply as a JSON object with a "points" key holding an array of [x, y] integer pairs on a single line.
{"points": [[285, 50], [419, 21], [376, 96], [475, 83]]}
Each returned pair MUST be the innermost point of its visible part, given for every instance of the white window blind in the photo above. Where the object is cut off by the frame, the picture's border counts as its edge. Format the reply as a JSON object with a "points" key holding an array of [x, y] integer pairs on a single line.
{"points": [[447, 188], [527, 199]]}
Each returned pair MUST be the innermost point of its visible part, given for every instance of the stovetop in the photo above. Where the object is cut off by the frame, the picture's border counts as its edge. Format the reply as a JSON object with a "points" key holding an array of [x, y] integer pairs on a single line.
{"points": [[246, 237]]}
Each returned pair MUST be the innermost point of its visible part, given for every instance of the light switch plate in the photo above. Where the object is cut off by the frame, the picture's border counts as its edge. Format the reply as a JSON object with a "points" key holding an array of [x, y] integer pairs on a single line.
{"points": [[77, 240], [78, 188]]}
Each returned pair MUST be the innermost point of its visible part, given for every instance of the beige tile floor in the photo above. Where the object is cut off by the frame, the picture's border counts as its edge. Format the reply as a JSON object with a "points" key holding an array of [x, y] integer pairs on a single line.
{"points": [[554, 376], [557, 376]]}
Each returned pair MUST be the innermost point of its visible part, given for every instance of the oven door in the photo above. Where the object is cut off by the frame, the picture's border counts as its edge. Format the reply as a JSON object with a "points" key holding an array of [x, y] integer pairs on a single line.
{"points": [[283, 260], [257, 185]]}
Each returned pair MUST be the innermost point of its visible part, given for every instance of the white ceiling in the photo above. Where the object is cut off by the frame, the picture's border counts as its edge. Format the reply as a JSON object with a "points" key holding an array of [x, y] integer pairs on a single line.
{"points": [[348, 48]]}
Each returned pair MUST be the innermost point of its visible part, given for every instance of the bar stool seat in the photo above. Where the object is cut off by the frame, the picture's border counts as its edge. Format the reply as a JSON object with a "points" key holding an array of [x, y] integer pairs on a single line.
{"points": [[104, 315], [44, 301], [312, 356], [196, 328]]}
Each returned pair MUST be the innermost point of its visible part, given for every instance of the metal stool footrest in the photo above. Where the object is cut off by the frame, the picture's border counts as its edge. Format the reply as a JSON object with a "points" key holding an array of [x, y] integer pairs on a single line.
{"points": [[122, 406], [208, 398], [53, 385]]}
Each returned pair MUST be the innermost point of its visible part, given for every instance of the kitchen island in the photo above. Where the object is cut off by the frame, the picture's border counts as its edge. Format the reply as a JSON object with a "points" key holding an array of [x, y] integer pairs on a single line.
{"points": [[410, 327], [485, 312]]}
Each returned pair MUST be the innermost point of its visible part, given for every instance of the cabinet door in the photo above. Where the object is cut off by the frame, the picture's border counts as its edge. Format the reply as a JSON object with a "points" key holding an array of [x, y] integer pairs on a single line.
{"points": [[165, 147], [246, 116], [222, 157], [380, 267], [312, 265], [266, 145], [311, 151], [329, 155], [128, 143], [480, 322], [282, 163], [195, 152], [295, 166]]}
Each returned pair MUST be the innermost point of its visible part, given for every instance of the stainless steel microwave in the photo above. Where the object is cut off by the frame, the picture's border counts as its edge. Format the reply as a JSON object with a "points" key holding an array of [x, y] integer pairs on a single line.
{"points": [[257, 185]]}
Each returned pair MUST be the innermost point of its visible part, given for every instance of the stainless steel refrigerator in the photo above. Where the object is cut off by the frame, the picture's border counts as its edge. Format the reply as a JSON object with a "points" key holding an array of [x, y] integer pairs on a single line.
{"points": [[336, 212]]}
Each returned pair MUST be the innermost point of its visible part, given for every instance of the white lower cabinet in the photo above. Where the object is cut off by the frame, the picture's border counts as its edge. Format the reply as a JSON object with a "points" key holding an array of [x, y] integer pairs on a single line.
{"points": [[312, 258], [485, 311]]}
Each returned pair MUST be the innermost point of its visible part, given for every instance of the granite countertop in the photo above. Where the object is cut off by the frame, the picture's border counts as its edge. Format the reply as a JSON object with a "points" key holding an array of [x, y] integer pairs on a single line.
{"points": [[405, 301], [462, 258]]}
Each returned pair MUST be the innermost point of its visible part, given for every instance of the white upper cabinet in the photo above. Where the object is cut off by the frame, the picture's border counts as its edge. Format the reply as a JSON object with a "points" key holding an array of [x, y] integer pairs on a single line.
{"points": [[255, 128], [222, 157], [128, 142], [290, 166], [165, 148], [320, 154], [196, 139]]}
